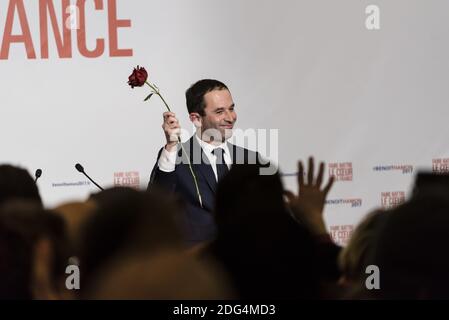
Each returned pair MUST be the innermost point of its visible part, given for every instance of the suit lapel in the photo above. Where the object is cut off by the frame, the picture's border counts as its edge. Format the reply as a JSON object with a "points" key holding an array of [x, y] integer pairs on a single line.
{"points": [[208, 174], [237, 154], [200, 163]]}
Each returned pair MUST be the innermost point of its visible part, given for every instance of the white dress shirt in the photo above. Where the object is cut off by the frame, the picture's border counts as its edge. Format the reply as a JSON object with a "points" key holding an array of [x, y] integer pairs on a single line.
{"points": [[167, 160]]}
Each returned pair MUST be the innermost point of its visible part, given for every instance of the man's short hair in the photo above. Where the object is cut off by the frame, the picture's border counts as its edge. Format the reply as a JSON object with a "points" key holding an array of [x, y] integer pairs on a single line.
{"points": [[17, 183], [195, 94]]}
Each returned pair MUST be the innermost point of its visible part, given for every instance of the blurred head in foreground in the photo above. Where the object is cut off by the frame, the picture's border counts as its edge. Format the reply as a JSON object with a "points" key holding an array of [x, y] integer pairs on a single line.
{"points": [[33, 252]]}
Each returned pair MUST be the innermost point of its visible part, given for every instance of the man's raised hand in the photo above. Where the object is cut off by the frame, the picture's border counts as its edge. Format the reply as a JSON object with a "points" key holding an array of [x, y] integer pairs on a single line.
{"points": [[172, 130]]}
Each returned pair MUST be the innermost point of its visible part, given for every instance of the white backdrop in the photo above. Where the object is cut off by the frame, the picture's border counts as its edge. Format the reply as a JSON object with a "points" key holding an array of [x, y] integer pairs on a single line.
{"points": [[367, 101]]}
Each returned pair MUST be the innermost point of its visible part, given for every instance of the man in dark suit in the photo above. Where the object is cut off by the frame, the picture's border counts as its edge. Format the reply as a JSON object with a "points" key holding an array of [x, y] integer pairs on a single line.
{"points": [[194, 169]]}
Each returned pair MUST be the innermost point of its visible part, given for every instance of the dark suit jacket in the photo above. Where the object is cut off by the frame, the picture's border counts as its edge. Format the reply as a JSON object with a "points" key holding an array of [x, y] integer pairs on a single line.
{"points": [[199, 221]]}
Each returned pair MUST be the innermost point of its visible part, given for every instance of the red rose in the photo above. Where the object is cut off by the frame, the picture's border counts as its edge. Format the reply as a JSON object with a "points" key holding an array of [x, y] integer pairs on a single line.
{"points": [[138, 77]]}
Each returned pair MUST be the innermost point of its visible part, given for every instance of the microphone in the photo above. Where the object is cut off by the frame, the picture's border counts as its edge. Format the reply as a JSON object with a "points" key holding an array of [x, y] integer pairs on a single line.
{"points": [[81, 169], [37, 174]]}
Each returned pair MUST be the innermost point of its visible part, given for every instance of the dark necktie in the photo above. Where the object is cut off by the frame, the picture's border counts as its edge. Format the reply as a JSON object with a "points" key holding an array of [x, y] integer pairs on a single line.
{"points": [[221, 166]]}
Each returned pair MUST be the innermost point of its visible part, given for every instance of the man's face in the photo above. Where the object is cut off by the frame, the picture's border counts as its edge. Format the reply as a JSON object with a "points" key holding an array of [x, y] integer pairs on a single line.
{"points": [[220, 116]]}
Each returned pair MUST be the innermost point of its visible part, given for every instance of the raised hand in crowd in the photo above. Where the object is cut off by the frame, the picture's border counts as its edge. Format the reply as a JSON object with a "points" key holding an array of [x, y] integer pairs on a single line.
{"points": [[308, 205]]}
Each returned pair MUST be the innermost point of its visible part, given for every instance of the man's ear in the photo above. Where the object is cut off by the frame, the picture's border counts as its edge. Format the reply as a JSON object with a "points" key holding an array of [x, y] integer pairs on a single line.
{"points": [[196, 119]]}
